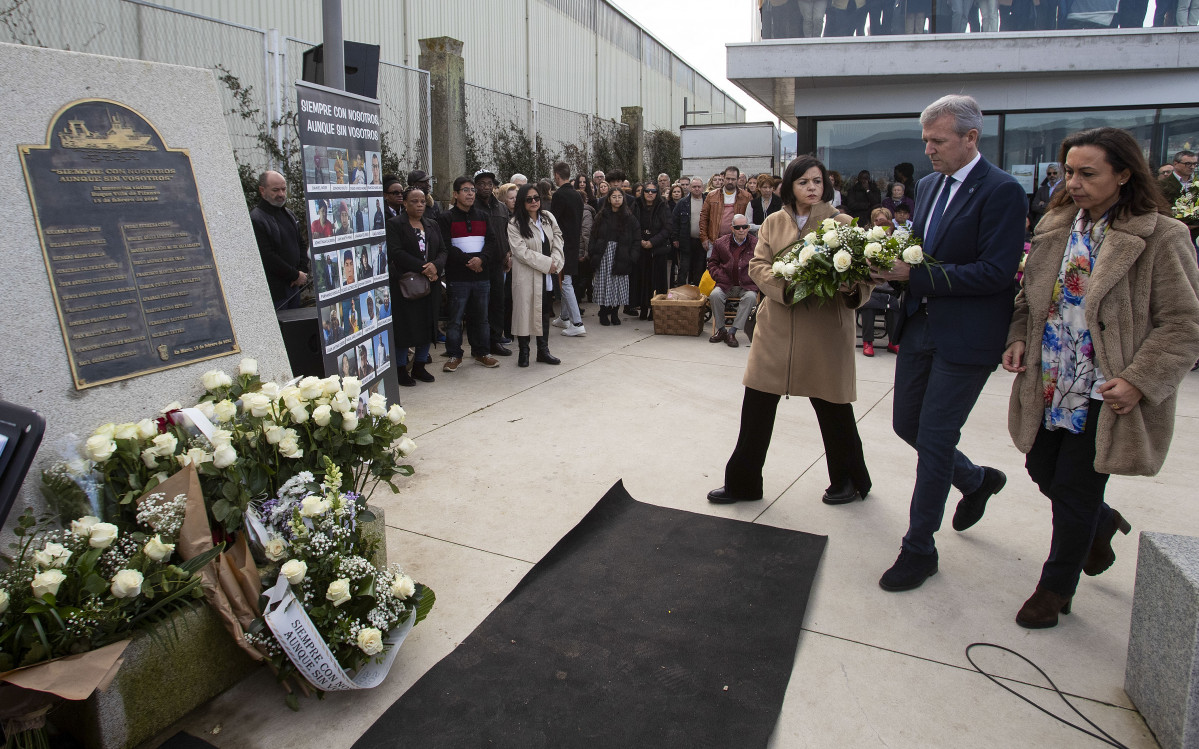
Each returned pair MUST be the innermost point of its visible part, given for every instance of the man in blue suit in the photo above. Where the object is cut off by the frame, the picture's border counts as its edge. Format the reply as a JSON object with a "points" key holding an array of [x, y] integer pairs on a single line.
{"points": [[970, 215]]}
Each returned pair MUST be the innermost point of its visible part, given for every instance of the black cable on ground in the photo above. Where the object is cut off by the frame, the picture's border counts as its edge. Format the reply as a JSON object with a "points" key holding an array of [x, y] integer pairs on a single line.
{"points": [[1105, 738]]}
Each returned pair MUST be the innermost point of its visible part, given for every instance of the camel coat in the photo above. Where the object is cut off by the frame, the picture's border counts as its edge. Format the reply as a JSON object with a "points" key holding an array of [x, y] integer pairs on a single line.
{"points": [[807, 348], [529, 267], [1143, 313]]}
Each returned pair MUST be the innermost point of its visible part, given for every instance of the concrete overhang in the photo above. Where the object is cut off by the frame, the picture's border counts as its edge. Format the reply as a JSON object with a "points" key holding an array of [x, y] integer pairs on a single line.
{"points": [[862, 76]]}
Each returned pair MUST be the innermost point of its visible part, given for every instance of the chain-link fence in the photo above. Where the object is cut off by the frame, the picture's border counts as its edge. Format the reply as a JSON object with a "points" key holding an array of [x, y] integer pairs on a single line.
{"points": [[138, 30]]}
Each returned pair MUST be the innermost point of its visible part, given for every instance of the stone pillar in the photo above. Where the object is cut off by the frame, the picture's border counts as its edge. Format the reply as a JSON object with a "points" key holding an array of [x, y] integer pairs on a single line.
{"points": [[635, 119], [442, 57]]}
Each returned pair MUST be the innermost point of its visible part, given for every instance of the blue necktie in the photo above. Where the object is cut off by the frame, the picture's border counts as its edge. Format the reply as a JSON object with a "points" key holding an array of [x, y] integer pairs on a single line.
{"points": [[934, 219]]}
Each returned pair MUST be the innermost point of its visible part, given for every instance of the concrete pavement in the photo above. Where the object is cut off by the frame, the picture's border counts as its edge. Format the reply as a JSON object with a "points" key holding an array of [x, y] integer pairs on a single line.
{"points": [[510, 459]]}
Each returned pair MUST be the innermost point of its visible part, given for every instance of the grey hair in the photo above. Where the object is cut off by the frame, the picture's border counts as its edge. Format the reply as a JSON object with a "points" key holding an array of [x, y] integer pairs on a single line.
{"points": [[964, 110], [263, 177]]}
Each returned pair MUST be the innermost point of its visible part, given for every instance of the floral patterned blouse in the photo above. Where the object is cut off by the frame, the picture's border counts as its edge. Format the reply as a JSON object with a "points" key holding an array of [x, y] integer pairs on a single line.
{"points": [[1069, 374]]}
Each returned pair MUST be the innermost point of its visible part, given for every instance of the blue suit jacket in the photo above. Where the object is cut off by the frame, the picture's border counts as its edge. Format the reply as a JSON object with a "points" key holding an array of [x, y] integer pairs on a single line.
{"points": [[979, 243]]}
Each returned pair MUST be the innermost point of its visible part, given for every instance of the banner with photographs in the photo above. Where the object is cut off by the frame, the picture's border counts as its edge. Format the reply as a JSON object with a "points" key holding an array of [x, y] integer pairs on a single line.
{"points": [[343, 189]]}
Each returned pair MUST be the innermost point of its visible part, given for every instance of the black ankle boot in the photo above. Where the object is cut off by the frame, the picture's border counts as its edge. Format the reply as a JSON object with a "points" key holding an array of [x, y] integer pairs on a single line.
{"points": [[615, 319], [543, 351], [603, 316], [522, 358]]}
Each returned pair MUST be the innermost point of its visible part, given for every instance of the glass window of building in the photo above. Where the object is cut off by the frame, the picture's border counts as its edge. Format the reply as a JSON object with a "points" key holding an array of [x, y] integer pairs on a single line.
{"points": [[849, 146]]}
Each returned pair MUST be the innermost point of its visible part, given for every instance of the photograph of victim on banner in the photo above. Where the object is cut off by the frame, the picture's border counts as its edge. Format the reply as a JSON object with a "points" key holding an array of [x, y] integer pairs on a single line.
{"points": [[347, 239]]}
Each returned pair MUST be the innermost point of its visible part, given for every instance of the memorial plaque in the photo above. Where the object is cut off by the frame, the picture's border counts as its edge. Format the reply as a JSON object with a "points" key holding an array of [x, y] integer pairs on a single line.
{"points": [[126, 245]]}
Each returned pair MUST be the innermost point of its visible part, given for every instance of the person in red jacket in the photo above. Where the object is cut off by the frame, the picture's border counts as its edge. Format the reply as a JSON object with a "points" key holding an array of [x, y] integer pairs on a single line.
{"points": [[729, 268]]}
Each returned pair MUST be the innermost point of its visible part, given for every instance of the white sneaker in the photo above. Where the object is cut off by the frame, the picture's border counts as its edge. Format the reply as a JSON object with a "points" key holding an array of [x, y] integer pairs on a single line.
{"points": [[574, 330], [560, 323]]}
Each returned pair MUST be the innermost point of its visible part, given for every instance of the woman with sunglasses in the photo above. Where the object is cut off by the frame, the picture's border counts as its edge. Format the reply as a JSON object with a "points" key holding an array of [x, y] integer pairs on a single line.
{"points": [[654, 219], [536, 242]]}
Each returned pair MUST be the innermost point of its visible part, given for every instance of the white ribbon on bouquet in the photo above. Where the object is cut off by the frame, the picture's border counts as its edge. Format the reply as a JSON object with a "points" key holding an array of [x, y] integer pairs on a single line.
{"points": [[304, 645]]}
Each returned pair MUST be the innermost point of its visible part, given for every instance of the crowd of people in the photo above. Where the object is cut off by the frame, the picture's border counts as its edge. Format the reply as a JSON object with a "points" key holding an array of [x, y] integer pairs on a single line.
{"points": [[791, 19]]}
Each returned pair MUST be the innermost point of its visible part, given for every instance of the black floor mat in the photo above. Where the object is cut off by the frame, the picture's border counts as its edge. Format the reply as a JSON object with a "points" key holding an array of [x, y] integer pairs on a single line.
{"points": [[643, 627]]}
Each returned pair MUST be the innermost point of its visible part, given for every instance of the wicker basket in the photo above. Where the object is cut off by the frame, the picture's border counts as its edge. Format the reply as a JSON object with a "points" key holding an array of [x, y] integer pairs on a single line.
{"points": [[678, 316]]}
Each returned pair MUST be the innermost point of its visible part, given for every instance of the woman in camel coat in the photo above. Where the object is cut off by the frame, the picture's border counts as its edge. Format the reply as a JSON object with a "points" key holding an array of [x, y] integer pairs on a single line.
{"points": [[536, 242], [1105, 328], [804, 349]]}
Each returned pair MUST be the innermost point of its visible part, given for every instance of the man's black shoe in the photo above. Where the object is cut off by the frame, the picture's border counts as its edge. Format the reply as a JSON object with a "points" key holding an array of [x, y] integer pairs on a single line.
{"points": [[498, 349], [909, 571], [970, 510], [722, 496]]}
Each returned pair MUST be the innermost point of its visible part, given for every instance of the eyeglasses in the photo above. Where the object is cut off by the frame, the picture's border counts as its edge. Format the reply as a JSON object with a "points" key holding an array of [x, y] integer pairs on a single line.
{"points": [[740, 228], [1188, 163], [651, 189], [532, 199], [469, 190]]}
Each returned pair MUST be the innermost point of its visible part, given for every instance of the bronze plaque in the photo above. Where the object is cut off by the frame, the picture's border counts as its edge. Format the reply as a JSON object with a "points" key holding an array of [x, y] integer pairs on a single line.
{"points": [[126, 245]]}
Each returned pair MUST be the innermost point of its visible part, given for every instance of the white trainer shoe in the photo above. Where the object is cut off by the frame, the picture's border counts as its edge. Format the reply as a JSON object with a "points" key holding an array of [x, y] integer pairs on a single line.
{"points": [[560, 323], [575, 330]]}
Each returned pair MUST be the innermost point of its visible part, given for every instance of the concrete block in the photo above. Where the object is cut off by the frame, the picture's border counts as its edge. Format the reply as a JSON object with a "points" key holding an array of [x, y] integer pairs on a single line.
{"points": [[1162, 675]]}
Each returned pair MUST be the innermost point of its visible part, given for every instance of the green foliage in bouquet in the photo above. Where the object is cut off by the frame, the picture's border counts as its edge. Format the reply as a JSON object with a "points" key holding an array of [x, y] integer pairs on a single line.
{"points": [[1186, 207], [65, 592]]}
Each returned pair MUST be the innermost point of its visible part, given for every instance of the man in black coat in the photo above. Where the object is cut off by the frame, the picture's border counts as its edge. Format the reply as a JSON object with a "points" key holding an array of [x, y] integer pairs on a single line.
{"points": [[498, 300], [277, 231], [567, 207]]}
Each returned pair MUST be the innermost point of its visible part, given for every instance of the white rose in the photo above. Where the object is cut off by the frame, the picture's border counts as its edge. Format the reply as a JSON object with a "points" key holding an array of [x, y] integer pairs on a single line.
{"points": [[913, 255], [150, 457], [108, 430], [83, 526], [298, 413], [289, 447], [828, 224], [157, 550], [102, 535], [842, 260], [395, 414], [161, 477], [126, 431], [790, 270], [341, 403], [47, 582], [165, 444], [275, 549], [126, 584], [330, 384], [52, 555], [248, 367], [172, 406], [878, 233], [370, 641], [406, 445], [100, 448], [224, 410], [831, 239], [294, 570], [256, 404], [270, 390], [313, 505], [321, 415], [349, 422], [273, 432], [224, 456], [805, 255], [352, 387], [207, 408], [194, 456], [291, 395], [872, 249], [902, 234], [215, 378], [778, 267], [220, 437], [376, 405], [403, 587], [810, 238], [311, 387], [3, 601], [339, 591]]}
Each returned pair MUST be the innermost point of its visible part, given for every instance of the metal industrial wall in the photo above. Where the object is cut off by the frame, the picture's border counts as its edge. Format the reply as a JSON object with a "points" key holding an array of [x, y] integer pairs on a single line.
{"points": [[581, 55]]}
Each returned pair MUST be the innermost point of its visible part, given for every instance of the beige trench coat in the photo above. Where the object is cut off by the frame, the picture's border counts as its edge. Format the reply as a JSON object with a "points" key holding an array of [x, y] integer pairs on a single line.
{"points": [[807, 348], [1143, 313], [529, 267]]}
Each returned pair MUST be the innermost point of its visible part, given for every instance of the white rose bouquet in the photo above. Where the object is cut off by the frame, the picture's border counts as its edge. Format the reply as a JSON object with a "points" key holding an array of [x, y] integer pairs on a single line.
{"points": [[74, 590], [825, 258], [352, 604], [1186, 208]]}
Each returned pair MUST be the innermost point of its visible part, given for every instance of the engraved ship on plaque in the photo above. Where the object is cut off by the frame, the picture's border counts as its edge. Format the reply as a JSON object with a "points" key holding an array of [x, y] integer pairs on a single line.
{"points": [[120, 137]]}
